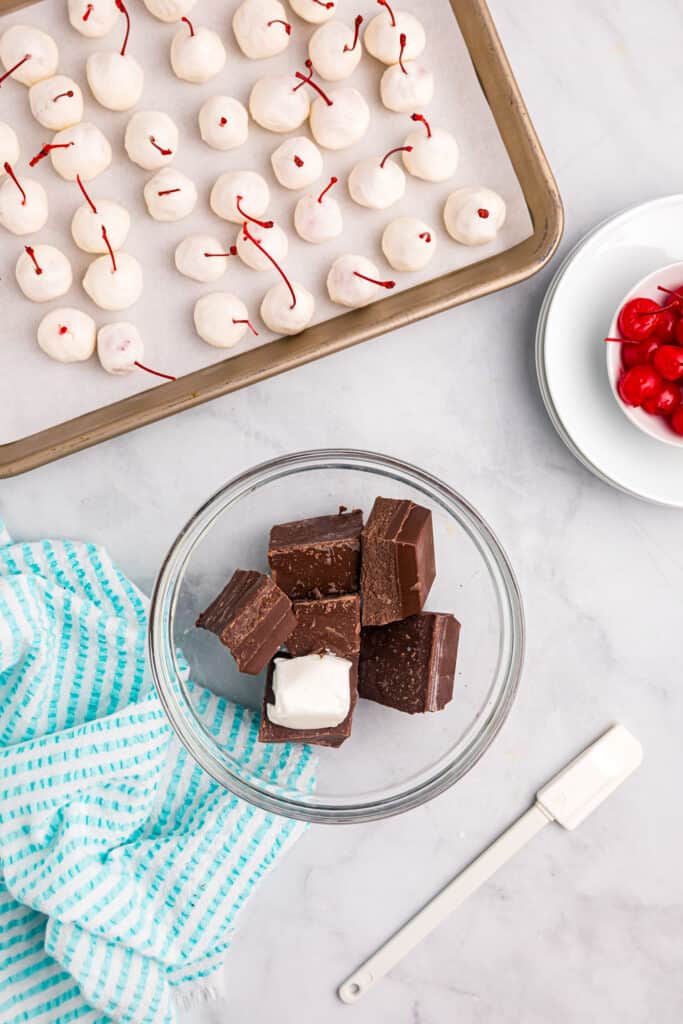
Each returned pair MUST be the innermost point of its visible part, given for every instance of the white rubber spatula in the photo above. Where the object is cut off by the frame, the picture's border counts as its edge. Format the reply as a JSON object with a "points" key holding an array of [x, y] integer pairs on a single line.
{"points": [[568, 799]]}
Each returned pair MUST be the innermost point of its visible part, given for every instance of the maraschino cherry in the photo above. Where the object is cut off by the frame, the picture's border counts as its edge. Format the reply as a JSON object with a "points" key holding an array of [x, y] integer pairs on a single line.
{"points": [[639, 383], [668, 360], [665, 403]]}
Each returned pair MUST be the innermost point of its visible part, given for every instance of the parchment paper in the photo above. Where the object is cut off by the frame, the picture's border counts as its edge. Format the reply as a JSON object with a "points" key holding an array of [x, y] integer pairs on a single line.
{"points": [[36, 392]]}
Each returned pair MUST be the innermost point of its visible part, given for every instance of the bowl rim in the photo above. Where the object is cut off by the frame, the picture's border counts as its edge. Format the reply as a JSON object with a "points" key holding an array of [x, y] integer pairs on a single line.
{"points": [[643, 421], [162, 651]]}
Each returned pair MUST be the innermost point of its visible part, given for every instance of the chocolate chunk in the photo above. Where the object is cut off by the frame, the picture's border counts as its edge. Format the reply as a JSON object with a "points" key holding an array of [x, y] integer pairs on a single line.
{"points": [[318, 557], [398, 561], [410, 665], [252, 617], [330, 624], [333, 736]]}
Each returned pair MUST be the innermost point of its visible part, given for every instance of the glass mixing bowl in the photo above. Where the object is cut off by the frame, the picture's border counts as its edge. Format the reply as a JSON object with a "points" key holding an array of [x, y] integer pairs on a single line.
{"points": [[393, 761]]}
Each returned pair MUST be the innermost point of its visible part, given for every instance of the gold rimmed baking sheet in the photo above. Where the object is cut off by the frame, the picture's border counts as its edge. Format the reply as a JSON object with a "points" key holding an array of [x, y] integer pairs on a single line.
{"points": [[431, 296]]}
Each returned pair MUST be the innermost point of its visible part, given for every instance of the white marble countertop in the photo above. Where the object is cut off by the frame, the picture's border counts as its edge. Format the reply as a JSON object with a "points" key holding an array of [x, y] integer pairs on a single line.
{"points": [[583, 926]]}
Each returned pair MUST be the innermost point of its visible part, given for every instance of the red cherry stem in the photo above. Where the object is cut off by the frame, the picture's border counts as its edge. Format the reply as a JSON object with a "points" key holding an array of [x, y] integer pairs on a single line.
{"points": [[232, 251], [155, 373], [108, 245], [327, 4], [87, 197], [250, 238], [423, 120], [382, 284], [169, 191], [61, 95], [308, 80], [46, 150], [31, 253], [333, 181], [356, 35], [15, 68], [249, 325], [399, 149], [622, 341], [385, 3], [8, 170], [189, 25], [426, 236], [88, 11], [280, 21], [164, 152], [403, 39], [124, 10], [245, 216]]}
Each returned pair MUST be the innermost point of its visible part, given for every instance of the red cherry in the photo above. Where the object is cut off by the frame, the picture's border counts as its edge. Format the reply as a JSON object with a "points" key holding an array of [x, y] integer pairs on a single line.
{"points": [[638, 319], [668, 361], [639, 383], [634, 355], [677, 422], [667, 322], [678, 333], [666, 402]]}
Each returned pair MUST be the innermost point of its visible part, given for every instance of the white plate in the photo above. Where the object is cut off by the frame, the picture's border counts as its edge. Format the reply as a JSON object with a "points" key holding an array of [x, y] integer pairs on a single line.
{"points": [[570, 352]]}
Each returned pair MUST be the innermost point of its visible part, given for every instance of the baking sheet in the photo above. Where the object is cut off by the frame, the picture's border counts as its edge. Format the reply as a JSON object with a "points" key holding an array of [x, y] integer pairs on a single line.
{"points": [[36, 393]]}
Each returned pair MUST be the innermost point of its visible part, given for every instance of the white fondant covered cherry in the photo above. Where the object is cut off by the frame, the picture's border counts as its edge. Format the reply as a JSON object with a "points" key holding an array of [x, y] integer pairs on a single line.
{"points": [[93, 18], [240, 195], [340, 119], [354, 281], [431, 154], [169, 10], [335, 49], [279, 104], [56, 103], [9, 147], [97, 225], [27, 54], [203, 258], [474, 215], [408, 244], [273, 241], [377, 183], [223, 123], [151, 139], [23, 204], [116, 80], [43, 273], [221, 319], [67, 335], [319, 219], [170, 195], [120, 348], [297, 163], [407, 86], [81, 150], [261, 28], [314, 11], [114, 282], [383, 35], [197, 54], [278, 313]]}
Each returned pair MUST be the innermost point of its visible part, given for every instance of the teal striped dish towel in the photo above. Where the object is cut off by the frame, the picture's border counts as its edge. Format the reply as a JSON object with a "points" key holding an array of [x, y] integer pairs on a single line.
{"points": [[122, 865]]}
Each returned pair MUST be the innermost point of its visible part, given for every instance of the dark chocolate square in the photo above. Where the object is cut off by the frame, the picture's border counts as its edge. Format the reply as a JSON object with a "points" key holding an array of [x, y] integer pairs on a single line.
{"points": [[317, 557], [332, 737], [410, 665], [399, 566], [329, 624], [252, 617]]}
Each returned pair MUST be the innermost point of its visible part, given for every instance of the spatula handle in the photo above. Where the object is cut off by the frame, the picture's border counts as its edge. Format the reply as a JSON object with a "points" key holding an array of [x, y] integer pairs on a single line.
{"points": [[438, 909]]}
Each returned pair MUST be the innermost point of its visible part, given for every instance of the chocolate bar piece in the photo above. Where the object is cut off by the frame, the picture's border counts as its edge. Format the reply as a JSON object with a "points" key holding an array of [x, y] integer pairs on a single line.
{"points": [[331, 736], [329, 624], [252, 617], [398, 561], [317, 557], [410, 665]]}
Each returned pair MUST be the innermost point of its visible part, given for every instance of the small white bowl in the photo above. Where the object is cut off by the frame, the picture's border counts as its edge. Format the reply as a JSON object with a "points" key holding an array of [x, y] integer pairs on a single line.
{"points": [[670, 276]]}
